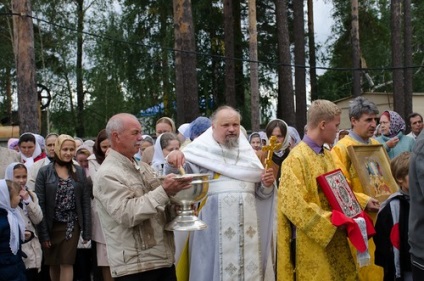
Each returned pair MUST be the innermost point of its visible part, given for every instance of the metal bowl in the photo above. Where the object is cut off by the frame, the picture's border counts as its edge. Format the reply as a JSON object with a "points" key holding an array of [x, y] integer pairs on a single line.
{"points": [[186, 220], [198, 190]]}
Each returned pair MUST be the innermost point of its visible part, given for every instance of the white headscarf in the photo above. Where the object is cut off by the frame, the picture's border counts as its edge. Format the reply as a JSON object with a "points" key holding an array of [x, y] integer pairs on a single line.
{"points": [[16, 222], [9, 171], [158, 159], [29, 161]]}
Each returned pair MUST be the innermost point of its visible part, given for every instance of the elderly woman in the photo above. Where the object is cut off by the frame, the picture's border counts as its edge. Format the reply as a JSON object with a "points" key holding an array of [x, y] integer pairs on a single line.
{"points": [[64, 198], [392, 137]]}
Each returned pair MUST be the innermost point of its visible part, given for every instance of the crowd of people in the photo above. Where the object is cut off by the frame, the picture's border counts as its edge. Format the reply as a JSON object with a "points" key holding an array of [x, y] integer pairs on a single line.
{"points": [[96, 210]]}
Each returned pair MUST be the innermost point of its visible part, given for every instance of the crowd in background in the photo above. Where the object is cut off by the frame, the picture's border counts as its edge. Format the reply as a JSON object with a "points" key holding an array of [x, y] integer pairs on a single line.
{"points": [[49, 222]]}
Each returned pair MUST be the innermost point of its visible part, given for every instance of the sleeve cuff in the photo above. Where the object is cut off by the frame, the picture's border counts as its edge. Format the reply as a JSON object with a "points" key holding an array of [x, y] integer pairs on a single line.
{"points": [[160, 196], [266, 190]]}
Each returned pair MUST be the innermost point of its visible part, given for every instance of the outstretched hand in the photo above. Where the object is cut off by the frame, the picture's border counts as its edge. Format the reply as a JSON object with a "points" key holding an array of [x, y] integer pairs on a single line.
{"points": [[175, 158], [171, 185]]}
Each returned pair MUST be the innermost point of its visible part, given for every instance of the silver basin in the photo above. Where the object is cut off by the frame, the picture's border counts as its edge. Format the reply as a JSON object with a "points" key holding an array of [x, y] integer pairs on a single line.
{"points": [[186, 219]]}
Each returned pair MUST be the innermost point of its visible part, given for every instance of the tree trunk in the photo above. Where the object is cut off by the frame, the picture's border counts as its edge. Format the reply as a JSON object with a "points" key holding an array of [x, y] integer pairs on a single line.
{"points": [[356, 57], [238, 53], [79, 71], [285, 106], [8, 89], [408, 73], [299, 59], [216, 94], [312, 55], [23, 46], [230, 75], [166, 85], [397, 54], [185, 63], [253, 56]]}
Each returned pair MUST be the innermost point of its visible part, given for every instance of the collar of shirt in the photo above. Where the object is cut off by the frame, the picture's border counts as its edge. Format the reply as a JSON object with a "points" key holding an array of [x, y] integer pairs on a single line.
{"points": [[136, 165], [356, 137], [313, 145]]}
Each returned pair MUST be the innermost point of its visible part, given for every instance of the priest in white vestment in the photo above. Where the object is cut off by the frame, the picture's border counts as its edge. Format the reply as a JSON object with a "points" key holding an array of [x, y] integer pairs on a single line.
{"points": [[239, 208]]}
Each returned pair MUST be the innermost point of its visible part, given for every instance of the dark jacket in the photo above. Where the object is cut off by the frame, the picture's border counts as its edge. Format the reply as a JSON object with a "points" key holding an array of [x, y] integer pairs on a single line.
{"points": [[384, 255], [46, 185], [12, 267]]}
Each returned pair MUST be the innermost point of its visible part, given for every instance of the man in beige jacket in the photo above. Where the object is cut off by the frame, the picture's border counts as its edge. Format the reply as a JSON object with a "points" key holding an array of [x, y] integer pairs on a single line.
{"points": [[132, 209]]}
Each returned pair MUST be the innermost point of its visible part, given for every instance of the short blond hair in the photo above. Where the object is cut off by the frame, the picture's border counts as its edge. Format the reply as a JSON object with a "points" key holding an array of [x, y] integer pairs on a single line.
{"points": [[322, 110], [400, 166]]}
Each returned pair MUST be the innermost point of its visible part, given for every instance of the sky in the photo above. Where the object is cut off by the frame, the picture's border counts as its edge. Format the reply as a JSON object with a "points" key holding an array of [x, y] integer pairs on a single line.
{"points": [[323, 23], [323, 20]]}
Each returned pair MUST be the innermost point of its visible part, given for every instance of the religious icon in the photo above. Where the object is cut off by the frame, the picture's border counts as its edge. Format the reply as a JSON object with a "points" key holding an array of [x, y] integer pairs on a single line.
{"points": [[371, 163], [339, 194], [376, 177]]}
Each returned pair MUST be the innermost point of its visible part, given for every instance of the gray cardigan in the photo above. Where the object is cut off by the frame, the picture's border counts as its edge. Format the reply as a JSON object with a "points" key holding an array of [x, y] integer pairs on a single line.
{"points": [[45, 187], [416, 191]]}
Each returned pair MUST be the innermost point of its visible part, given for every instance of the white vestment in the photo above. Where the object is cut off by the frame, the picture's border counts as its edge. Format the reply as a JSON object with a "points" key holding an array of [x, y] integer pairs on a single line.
{"points": [[239, 213]]}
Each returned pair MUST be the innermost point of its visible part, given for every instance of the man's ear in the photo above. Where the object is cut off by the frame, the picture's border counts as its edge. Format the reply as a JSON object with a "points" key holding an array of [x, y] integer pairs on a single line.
{"points": [[115, 136], [321, 125]]}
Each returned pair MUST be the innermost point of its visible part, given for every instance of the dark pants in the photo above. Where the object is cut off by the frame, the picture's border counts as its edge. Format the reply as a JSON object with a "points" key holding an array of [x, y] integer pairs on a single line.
{"points": [[83, 265], [417, 268], [32, 274], [161, 274]]}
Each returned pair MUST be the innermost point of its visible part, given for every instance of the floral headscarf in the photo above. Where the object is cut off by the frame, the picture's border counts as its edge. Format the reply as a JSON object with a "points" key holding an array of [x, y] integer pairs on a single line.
{"points": [[397, 124]]}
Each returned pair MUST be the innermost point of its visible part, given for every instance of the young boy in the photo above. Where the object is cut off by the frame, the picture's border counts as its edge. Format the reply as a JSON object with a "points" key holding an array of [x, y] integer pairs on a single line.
{"points": [[391, 240]]}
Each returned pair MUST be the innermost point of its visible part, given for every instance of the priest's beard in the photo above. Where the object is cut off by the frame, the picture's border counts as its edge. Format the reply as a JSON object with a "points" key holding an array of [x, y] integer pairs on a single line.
{"points": [[231, 142]]}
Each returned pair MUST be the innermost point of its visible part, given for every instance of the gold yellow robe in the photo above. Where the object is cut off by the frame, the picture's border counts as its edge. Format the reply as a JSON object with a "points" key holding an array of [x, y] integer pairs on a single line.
{"points": [[343, 161], [322, 250]]}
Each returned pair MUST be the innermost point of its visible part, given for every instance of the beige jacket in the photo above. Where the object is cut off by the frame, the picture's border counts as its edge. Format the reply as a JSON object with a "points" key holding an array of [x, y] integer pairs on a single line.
{"points": [[32, 215], [131, 206]]}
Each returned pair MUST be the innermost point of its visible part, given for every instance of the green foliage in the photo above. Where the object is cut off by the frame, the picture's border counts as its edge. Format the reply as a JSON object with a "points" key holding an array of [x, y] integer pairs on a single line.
{"points": [[374, 32], [128, 58]]}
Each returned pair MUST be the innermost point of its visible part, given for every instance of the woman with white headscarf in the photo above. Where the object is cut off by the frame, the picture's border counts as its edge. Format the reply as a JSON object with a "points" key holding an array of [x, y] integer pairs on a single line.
{"points": [[29, 149], [31, 213], [164, 144], [279, 129], [12, 229]]}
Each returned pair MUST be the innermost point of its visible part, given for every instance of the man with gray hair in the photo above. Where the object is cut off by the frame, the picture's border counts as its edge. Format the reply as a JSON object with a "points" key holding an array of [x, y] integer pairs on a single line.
{"points": [[363, 118], [131, 205]]}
